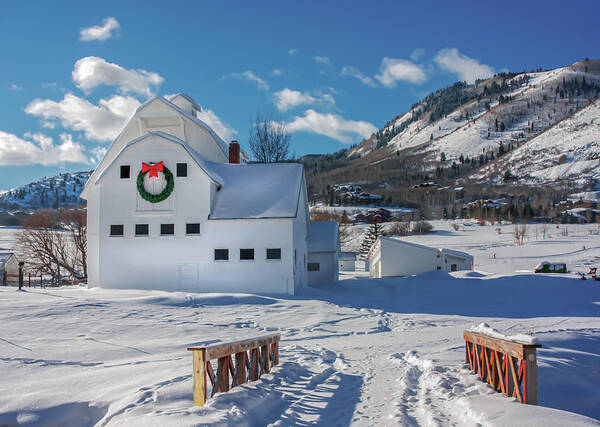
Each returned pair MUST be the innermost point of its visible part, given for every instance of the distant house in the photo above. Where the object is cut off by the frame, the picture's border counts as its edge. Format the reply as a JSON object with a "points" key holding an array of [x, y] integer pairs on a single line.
{"points": [[347, 261], [393, 257], [9, 269], [322, 263]]}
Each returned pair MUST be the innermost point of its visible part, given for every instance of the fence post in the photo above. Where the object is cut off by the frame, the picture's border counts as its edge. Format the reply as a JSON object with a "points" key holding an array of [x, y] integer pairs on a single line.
{"points": [[530, 385], [5, 278], [199, 357], [29, 281]]}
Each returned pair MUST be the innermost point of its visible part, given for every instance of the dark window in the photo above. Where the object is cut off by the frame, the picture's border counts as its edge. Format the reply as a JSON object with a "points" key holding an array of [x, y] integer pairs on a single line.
{"points": [[221, 254], [273, 253], [116, 230], [246, 254], [125, 171], [453, 267], [181, 169], [314, 266], [439, 268], [141, 229], [193, 228], [167, 229]]}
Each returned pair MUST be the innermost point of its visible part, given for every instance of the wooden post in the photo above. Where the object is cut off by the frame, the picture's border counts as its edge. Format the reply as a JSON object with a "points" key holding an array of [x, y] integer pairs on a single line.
{"points": [[5, 278], [276, 353], [530, 377], [266, 354], [199, 357], [29, 283]]}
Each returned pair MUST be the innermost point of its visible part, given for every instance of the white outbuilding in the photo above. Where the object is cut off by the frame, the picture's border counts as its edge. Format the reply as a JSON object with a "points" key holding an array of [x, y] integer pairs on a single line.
{"points": [[347, 261], [171, 207], [323, 253], [9, 269], [391, 257]]}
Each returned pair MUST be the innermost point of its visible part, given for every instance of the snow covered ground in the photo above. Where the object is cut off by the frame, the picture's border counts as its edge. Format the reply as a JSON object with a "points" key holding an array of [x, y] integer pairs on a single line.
{"points": [[364, 352]]}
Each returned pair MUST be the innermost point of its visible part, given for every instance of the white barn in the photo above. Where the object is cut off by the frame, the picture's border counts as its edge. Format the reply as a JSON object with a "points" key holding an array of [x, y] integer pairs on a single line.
{"points": [[391, 257], [170, 207], [323, 253]]}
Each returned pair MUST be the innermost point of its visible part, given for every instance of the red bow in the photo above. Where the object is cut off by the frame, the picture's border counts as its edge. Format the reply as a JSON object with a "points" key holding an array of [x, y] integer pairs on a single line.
{"points": [[154, 169]]}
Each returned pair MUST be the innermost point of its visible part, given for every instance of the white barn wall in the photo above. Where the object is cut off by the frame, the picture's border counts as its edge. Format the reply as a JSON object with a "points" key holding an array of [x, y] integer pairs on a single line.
{"points": [[328, 272], [154, 262]]}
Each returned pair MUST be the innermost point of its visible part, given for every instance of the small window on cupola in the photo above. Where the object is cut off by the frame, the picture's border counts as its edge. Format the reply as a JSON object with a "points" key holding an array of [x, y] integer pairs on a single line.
{"points": [[125, 171]]}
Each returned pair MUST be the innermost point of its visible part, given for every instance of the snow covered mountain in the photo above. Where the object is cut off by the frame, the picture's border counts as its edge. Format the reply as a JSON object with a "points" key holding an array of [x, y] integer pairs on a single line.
{"points": [[536, 114], [50, 192]]}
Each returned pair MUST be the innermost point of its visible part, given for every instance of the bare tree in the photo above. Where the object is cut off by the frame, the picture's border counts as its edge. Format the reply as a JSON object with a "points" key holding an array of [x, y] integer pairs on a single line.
{"points": [[269, 140], [55, 243]]}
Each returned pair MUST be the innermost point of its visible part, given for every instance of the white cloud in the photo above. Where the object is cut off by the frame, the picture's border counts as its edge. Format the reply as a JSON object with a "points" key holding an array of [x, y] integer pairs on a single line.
{"points": [[323, 60], [393, 70], [101, 122], [91, 72], [15, 87], [467, 69], [331, 125], [39, 149], [97, 153], [276, 72], [293, 51], [287, 99], [417, 54], [250, 76], [354, 72], [222, 129], [99, 32]]}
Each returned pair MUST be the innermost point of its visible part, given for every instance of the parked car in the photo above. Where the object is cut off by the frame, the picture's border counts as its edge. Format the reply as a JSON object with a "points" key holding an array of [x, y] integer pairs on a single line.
{"points": [[551, 267]]}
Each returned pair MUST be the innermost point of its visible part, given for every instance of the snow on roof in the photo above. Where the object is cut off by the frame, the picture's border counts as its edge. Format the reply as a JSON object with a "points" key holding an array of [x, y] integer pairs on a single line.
{"points": [[457, 253], [188, 98], [193, 153], [323, 236], [541, 264], [257, 190]]}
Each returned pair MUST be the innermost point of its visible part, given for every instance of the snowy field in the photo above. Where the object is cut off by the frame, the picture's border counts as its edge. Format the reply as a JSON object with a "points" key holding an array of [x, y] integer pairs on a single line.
{"points": [[363, 352]]}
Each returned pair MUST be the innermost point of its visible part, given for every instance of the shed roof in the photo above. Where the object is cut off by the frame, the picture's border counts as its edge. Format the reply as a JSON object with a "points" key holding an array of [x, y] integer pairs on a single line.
{"points": [[323, 236], [5, 257]]}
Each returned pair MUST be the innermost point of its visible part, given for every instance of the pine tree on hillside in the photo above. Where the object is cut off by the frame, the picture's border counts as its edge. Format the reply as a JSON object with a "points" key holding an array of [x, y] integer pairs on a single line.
{"points": [[375, 230]]}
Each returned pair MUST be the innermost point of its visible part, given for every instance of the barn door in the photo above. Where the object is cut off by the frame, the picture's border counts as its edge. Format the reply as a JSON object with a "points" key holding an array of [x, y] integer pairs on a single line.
{"points": [[188, 276]]}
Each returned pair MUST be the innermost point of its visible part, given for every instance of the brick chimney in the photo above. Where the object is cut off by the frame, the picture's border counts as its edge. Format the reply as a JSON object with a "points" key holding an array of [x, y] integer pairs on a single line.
{"points": [[234, 152]]}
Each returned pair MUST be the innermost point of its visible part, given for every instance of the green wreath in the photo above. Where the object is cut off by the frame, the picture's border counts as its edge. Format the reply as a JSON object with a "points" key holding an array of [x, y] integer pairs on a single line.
{"points": [[155, 198]]}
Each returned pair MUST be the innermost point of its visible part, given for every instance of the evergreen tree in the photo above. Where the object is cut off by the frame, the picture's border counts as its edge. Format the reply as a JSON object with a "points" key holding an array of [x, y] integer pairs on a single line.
{"points": [[375, 230], [443, 157]]}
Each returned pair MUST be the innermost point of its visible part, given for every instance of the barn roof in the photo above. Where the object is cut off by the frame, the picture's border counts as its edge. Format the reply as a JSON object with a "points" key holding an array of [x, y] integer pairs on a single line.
{"points": [[257, 190], [323, 236]]}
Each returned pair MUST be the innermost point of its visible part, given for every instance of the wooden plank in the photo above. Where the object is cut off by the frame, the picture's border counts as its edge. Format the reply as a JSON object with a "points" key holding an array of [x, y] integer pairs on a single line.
{"points": [[531, 378], [499, 372], [276, 353], [199, 363], [513, 348], [468, 350], [266, 354], [240, 366], [223, 349], [478, 371], [211, 373], [516, 381], [254, 364], [223, 373]]}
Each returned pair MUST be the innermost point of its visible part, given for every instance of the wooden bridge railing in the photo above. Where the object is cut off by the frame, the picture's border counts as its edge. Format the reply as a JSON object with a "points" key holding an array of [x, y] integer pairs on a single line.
{"points": [[494, 360], [253, 357]]}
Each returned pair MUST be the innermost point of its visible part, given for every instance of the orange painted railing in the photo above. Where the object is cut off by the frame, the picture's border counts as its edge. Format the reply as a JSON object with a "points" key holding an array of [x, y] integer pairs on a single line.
{"points": [[508, 366]]}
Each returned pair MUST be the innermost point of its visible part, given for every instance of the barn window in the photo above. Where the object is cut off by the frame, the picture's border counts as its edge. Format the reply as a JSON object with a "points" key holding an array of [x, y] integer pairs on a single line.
{"points": [[141, 229], [221, 254], [314, 266], [181, 169], [125, 171], [246, 254], [274, 253], [192, 228], [167, 229], [116, 230], [453, 267]]}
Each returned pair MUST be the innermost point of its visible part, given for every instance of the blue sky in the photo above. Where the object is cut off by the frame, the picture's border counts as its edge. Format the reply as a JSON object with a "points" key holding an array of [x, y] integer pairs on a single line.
{"points": [[72, 72]]}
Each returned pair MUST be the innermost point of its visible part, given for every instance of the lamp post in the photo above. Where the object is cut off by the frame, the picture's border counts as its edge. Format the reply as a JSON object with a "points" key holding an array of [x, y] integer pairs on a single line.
{"points": [[21, 264]]}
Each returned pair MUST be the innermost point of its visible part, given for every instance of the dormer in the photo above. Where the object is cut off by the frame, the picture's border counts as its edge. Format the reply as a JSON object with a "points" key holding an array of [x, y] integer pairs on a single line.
{"points": [[186, 103]]}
